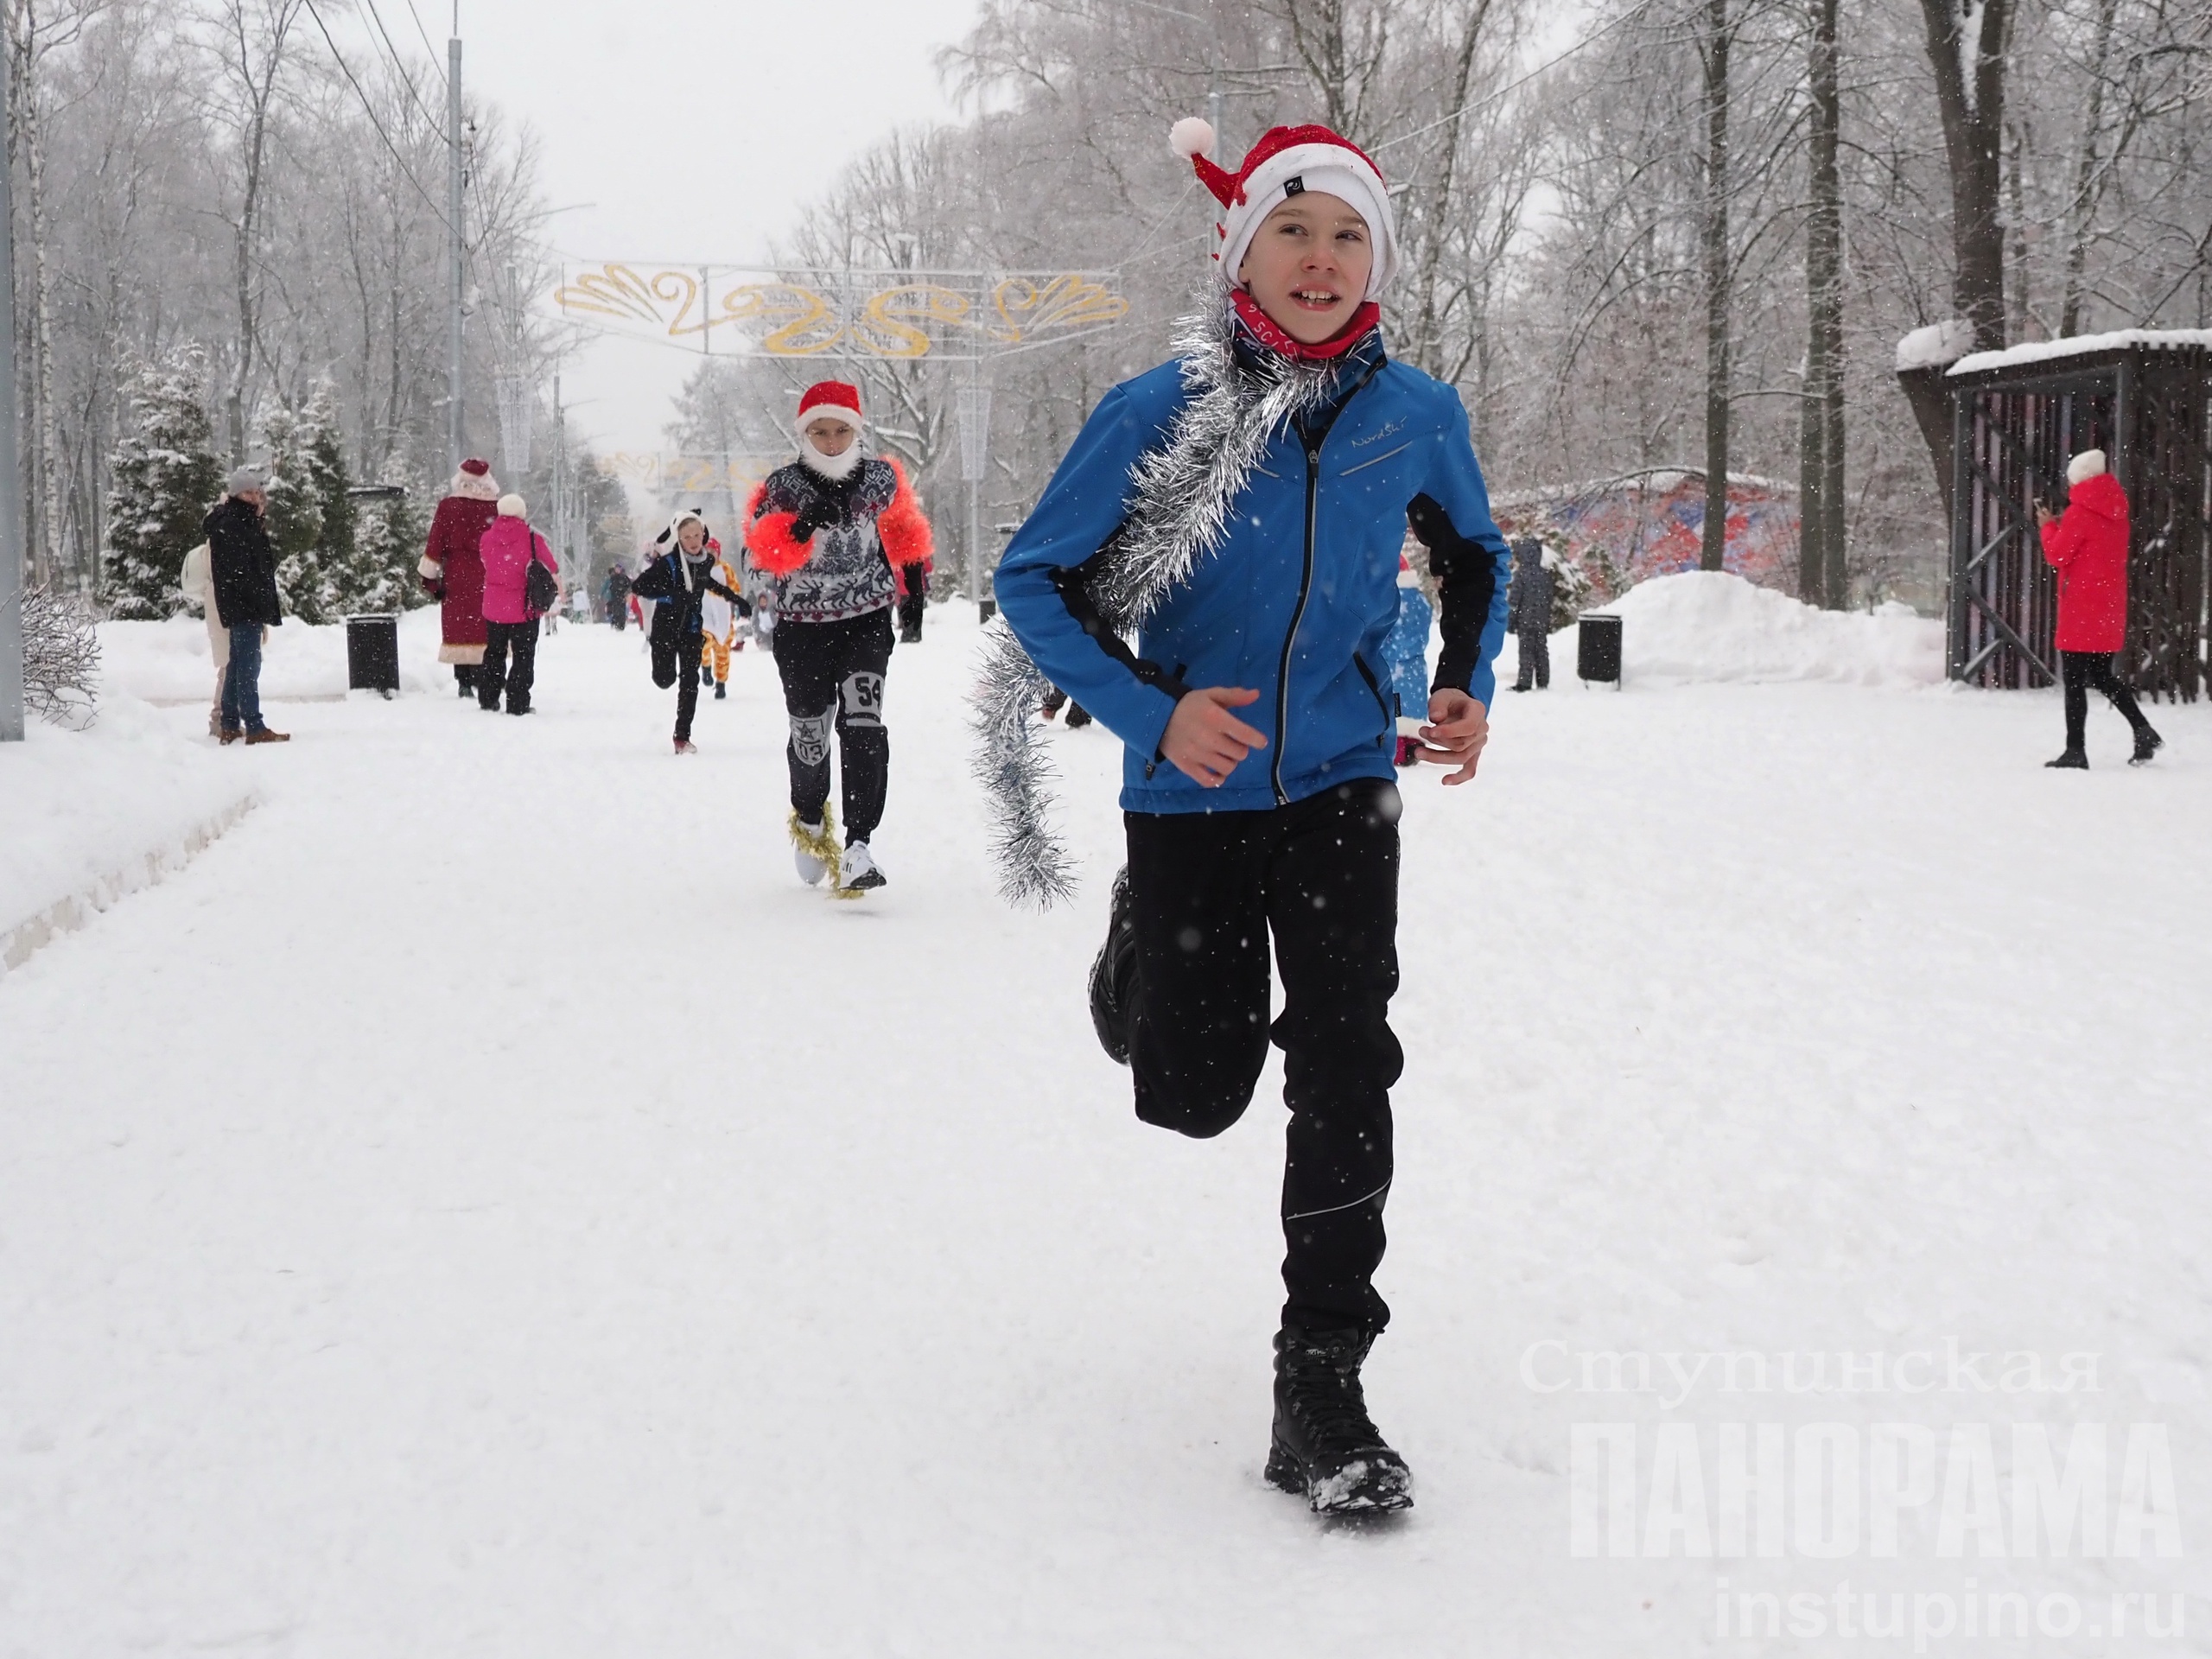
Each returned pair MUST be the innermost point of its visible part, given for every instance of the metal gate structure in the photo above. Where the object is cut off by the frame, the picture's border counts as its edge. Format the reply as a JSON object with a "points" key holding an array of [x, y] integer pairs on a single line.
{"points": [[2017, 418]]}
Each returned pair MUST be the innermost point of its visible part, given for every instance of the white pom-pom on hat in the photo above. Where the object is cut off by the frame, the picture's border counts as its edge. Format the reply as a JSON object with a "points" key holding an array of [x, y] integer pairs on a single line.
{"points": [[2087, 464], [513, 506], [1192, 136]]}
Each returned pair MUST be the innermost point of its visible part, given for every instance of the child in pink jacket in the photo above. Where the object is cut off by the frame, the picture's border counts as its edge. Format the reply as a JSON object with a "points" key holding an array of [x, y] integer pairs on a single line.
{"points": [[507, 549]]}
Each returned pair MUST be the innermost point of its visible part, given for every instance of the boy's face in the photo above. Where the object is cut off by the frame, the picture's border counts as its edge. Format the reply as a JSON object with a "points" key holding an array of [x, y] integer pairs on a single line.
{"points": [[692, 536], [830, 438], [1308, 266]]}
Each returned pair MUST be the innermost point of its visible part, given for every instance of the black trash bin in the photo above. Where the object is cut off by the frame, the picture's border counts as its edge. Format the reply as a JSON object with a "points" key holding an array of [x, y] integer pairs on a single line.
{"points": [[372, 653], [1598, 648]]}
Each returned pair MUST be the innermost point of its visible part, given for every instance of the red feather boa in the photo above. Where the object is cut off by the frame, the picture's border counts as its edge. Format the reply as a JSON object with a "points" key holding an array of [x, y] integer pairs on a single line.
{"points": [[903, 531], [768, 537], [901, 527]]}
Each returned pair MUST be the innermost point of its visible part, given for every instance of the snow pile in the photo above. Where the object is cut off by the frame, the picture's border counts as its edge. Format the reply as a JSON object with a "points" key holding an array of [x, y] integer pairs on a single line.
{"points": [[87, 816], [169, 661], [1709, 625], [1935, 346], [2045, 351]]}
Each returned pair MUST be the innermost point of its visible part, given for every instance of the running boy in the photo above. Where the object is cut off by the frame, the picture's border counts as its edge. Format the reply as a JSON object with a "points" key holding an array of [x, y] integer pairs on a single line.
{"points": [[827, 531], [1243, 507]]}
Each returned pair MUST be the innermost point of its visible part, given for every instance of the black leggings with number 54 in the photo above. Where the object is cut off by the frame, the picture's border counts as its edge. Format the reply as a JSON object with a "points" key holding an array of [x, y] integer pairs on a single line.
{"points": [[833, 681]]}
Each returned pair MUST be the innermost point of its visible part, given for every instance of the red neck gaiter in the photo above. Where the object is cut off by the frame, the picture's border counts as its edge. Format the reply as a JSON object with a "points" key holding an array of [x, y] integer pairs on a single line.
{"points": [[1266, 331]]}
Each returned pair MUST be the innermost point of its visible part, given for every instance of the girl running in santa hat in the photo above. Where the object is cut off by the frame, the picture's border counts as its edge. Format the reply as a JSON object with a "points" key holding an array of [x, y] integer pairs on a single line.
{"points": [[827, 531], [1242, 509]]}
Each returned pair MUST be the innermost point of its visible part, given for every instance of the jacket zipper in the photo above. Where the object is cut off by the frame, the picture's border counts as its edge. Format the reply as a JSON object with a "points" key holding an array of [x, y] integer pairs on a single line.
{"points": [[1297, 616]]}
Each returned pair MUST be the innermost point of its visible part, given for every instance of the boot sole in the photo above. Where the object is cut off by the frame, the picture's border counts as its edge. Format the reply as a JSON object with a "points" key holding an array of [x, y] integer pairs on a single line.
{"points": [[1364, 1486]]}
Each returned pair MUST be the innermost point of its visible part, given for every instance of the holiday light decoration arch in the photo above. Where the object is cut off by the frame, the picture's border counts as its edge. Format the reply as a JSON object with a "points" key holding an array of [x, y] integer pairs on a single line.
{"points": [[885, 315]]}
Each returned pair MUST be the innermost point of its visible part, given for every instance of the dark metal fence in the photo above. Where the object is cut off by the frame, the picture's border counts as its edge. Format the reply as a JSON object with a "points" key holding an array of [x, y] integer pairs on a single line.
{"points": [[2014, 428]]}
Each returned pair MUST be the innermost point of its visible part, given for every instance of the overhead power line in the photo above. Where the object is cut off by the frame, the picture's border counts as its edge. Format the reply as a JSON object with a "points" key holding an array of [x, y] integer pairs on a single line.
{"points": [[427, 45], [369, 109], [1590, 39], [400, 64]]}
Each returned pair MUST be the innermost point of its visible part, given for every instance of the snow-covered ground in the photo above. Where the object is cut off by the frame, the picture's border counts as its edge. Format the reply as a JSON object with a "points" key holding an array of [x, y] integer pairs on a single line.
{"points": [[169, 661], [89, 815], [483, 1206]]}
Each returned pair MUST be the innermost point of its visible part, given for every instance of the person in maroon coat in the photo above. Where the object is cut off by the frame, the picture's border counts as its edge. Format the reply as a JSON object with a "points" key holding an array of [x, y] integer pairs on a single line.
{"points": [[2088, 549], [453, 570]]}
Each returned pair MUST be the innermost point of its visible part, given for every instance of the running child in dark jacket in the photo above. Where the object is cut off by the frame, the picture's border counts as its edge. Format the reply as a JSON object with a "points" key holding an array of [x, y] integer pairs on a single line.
{"points": [[1242, 509], [680, 577]]}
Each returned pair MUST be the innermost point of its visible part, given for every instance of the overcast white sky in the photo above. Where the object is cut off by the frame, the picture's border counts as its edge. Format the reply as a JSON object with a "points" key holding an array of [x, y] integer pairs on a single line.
{"points": [[696, 128]]}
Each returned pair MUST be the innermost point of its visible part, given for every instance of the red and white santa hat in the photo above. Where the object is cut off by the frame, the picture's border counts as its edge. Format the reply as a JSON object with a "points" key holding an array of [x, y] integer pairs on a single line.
{"points": [[830, 399], [1287, 162]]}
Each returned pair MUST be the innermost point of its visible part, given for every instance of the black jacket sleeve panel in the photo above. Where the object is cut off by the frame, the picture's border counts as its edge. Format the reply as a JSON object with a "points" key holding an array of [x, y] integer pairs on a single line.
{"points": [[745, 607], [1073, 583], [1466, 581], [652, 582]]}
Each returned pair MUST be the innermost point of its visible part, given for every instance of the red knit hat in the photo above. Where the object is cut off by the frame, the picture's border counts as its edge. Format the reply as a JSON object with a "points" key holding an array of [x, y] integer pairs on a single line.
{"points": [[830, 398], [1286, 162], [475, 467]]}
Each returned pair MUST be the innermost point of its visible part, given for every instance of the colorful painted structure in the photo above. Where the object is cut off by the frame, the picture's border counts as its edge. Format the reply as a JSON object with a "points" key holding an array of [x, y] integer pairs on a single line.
{"points": [[1618, 531]]}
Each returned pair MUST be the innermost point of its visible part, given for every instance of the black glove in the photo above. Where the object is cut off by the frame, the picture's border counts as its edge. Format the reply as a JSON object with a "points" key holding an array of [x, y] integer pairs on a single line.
{"points": [[802, 528]]}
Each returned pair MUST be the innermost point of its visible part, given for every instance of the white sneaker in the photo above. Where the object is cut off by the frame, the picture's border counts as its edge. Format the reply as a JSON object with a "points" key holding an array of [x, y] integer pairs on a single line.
{"points": [[859, 874], [812, 867]]}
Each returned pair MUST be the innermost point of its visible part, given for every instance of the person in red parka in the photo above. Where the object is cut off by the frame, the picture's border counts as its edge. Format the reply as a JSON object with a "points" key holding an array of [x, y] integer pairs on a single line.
{"points": [[453, 570], [2088, 549]]}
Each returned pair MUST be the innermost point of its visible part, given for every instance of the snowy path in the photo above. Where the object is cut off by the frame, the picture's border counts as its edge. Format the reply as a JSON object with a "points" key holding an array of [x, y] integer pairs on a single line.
{"points": [[485, 1206]]}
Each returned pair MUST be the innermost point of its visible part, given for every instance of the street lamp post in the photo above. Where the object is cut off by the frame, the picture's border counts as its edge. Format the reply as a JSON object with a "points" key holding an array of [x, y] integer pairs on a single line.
{"points": [[11, 477]]}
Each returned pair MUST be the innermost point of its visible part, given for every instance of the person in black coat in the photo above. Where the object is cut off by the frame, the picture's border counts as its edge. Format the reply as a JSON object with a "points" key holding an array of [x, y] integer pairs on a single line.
{"points": [[1529, 613], [680, 577], [243, 566], [614, 594]]}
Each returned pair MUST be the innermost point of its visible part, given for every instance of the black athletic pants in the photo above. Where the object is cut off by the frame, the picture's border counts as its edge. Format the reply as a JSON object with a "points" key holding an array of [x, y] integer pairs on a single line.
{"points": [[1535, 659], [1206, 890], [676, 664], [495, 673], [2083, 670], [833, 677]]}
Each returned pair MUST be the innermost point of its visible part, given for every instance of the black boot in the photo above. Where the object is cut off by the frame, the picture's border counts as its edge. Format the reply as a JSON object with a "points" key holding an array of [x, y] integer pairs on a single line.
{"points": [[2148, 743], [1326, 1446], [1078, 716], [2072, 760], [1113, 975]]}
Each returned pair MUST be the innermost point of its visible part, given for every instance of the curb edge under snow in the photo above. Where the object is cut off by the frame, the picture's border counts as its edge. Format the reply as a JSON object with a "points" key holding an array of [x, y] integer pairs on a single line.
{"points": [[19, 943]]}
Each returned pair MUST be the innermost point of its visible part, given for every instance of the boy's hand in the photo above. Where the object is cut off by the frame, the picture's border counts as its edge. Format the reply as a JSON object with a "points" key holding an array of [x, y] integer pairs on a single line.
{"points": [[1204, 740], [1458, 728]]}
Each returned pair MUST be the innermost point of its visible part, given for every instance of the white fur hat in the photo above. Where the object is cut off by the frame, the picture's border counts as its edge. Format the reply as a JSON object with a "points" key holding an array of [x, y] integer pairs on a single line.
{"points": [[513, 506], [2087, 464]]}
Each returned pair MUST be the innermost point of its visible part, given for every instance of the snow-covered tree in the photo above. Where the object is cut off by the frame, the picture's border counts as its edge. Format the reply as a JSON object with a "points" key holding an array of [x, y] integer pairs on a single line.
{"points": [[337, 549], [166, 477], [388, 544], [295, 518]]}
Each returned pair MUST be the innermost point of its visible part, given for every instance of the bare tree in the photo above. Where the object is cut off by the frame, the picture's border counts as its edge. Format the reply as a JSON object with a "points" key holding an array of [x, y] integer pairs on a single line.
{"points": [[253, 43], [1969, 45], [1821, 575]]}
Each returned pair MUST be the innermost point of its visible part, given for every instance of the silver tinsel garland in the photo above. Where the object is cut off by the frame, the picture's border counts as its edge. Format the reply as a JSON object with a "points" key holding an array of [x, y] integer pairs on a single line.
{"points": [[1178, 505]]}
